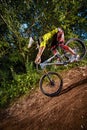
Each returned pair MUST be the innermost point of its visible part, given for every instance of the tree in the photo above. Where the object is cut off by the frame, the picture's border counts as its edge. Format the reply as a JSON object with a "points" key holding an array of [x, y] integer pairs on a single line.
{"points": [[39, 18]]}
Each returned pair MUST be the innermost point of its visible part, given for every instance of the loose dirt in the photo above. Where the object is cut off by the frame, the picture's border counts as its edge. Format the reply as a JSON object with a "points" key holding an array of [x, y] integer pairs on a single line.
{"points": [[67, 111]]}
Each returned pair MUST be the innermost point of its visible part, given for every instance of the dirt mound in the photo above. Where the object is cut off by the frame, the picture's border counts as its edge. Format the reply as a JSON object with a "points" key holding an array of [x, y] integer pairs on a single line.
{"points": [[68, 111]]}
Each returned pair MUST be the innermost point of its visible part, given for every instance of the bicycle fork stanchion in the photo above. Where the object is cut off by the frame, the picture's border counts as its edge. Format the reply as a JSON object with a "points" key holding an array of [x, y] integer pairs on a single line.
{"points": [[51, 81], [45, 72], [47, 75]]}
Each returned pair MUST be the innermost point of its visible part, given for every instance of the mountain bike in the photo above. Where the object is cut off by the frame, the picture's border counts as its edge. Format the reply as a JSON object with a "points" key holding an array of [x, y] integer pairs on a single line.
{"points": [[51, 82]]}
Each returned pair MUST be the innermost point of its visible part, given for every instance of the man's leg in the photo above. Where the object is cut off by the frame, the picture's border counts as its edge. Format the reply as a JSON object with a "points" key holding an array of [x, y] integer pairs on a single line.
{"points": [[75, 56], [67, 48], [55, 52]]}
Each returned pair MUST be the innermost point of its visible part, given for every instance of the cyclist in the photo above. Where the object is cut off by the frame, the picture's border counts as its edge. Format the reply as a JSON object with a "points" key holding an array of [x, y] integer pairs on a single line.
{"points": [[56, 37]]}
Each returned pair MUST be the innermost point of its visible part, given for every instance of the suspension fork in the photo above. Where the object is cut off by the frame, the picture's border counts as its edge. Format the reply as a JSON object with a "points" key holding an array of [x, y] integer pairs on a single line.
{"points": [[45, 71]]}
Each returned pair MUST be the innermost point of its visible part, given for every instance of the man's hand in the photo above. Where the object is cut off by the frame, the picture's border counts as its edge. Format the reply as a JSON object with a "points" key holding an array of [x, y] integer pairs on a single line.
{"points": [[38, 60]]}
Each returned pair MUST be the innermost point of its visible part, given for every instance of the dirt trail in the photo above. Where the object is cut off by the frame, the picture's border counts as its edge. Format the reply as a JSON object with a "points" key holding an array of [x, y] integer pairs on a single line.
{"points": [[68, 111]]}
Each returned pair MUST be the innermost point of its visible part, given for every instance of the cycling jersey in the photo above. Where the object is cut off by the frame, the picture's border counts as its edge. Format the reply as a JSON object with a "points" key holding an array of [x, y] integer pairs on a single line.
{"points": [[47, 36], [55, 35]]}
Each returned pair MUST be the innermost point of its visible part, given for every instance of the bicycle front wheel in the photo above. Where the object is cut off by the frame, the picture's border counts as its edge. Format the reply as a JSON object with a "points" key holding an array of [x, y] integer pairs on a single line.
{"points": [[78, 46], [51, 84]]}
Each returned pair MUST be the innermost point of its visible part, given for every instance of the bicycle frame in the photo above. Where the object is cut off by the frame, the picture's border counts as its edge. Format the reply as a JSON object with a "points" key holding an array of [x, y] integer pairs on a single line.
{"points": [[64, 47], [48, 62]]}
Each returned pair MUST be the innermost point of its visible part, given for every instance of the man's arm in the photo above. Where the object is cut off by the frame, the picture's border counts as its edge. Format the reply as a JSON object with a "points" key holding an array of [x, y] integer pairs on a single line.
{"points": [[38, 57]]}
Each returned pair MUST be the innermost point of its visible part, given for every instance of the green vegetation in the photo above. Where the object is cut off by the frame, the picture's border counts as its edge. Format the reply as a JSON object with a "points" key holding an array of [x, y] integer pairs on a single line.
{"points": [[21, 84], [18, 19]]}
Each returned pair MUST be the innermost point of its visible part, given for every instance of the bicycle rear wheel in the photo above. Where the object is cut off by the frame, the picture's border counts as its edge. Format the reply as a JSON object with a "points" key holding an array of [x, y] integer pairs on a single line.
{"points": [[51, 84], [78, 46]]}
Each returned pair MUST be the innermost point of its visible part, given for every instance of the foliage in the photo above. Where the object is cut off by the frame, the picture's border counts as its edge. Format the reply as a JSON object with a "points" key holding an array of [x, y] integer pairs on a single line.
{"points": [[21, 84]]}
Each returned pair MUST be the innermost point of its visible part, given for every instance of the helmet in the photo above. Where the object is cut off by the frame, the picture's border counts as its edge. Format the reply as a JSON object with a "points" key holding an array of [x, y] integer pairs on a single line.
{"points": [[59, 29]]}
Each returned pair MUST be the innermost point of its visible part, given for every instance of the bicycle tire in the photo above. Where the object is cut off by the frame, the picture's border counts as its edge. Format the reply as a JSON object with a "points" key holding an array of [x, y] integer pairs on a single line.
{"points": [[80, 44], [58, 81]]}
